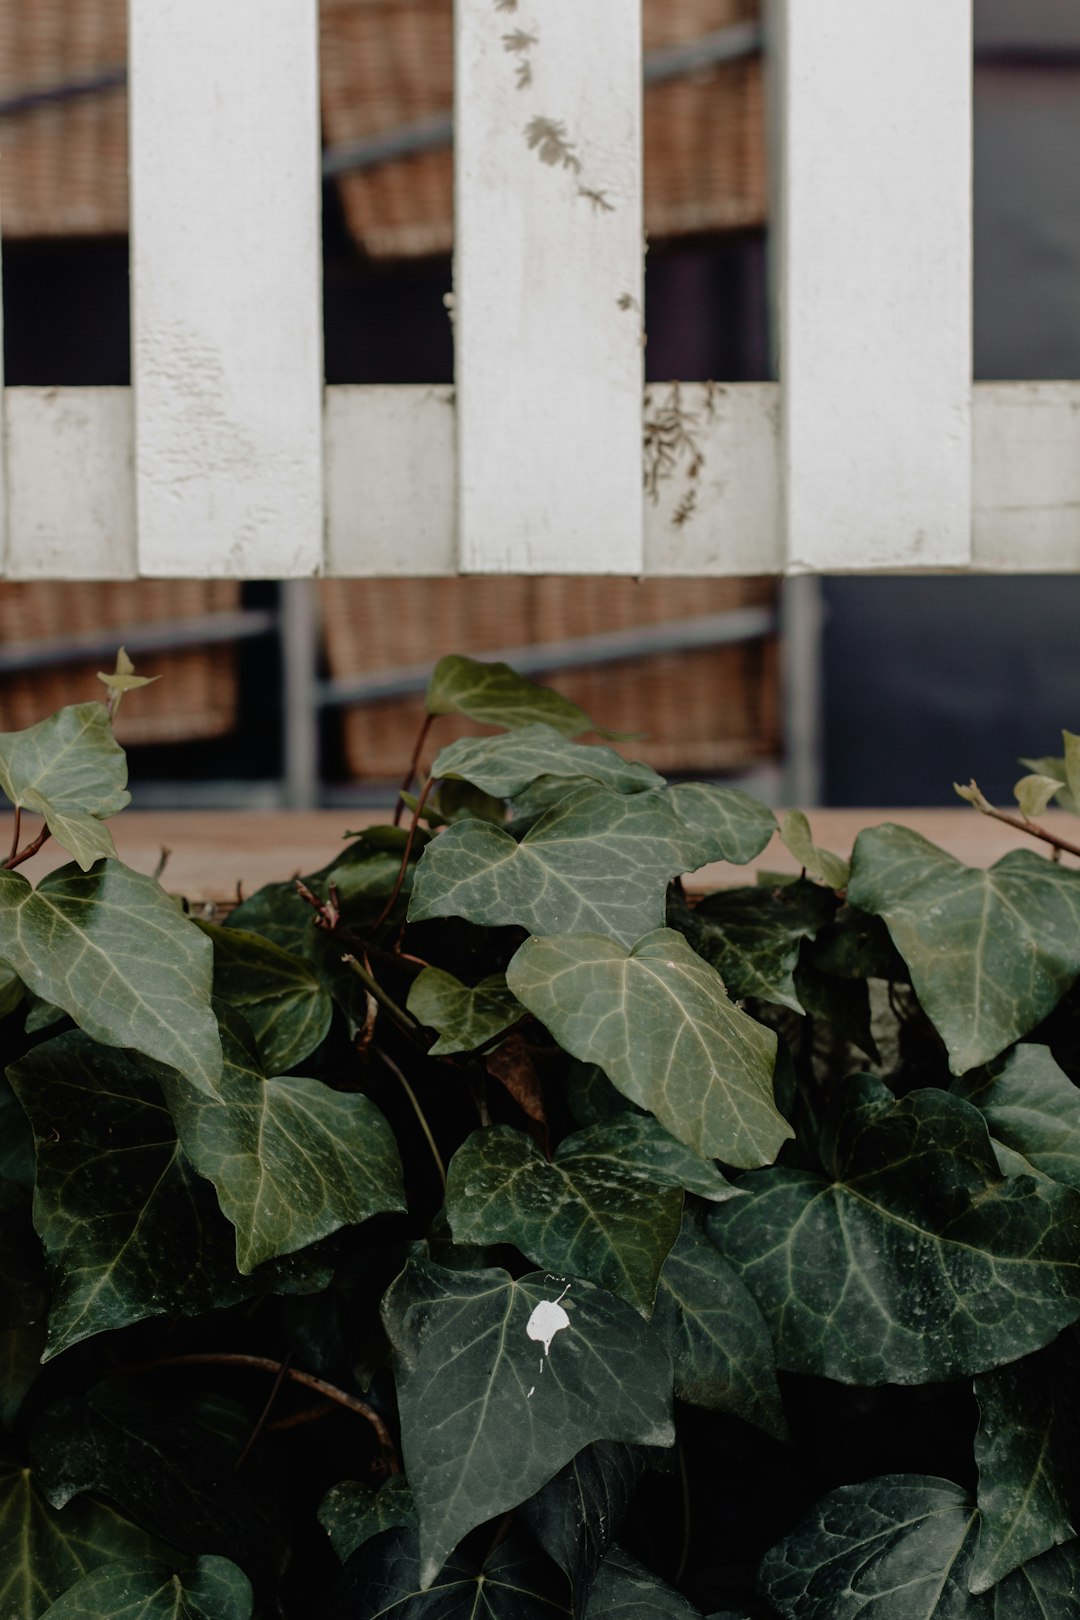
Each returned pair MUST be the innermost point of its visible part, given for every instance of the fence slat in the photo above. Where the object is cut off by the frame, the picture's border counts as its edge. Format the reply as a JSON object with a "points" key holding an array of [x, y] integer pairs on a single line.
{"points": [[226, 302], [71, 498], [873, 122], [1027, 477], [548, 285]]}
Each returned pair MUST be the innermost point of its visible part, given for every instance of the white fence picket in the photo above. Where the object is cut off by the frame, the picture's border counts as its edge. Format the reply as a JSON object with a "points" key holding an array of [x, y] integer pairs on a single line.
{"points": [[874, 132], [226, 293], [548, 285], [71, 495]]}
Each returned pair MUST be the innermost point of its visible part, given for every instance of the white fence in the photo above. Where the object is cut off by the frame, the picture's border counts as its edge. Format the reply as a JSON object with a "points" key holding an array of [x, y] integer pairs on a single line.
{"points": [[228, 457]]}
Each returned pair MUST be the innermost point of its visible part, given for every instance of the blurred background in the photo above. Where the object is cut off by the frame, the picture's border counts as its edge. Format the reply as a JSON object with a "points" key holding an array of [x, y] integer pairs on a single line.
{"points": [[852, 691]]}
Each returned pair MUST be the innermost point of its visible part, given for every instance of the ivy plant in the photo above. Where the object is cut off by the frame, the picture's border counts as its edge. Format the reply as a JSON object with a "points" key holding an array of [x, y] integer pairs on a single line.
{"points": [[494, 1224]]}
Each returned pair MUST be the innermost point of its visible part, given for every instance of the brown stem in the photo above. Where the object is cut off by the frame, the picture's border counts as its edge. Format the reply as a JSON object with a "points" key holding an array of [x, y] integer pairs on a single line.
{"points": [[281, 1369], [974, 796], [310, 1414], [15, 834], [265, 1413], [414, 765], [25, 853], [417, 813]]}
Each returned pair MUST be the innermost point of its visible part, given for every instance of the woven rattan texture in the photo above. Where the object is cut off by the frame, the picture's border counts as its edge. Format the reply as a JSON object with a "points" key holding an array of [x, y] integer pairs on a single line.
{"points": [[385, 63], [196, 695], [715, 710]]}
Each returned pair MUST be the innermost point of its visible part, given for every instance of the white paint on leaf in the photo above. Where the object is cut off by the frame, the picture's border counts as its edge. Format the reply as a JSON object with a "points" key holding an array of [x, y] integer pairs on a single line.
{"points": [[547, 1319]]}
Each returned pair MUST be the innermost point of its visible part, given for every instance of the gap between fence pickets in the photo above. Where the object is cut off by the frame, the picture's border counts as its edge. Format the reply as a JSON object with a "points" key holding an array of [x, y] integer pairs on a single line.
{"points": [[391, 479]]}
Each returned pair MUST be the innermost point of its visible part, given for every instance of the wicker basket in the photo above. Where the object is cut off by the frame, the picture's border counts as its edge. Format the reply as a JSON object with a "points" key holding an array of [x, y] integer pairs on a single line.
{"points": [[196, 696], [384, 63], [711, 711]]}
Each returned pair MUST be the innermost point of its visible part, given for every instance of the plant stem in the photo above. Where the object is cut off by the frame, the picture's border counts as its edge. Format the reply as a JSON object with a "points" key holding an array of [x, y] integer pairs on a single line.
{"points": [[414, 765], [265, 1413], [372, 985], [419, 1112], [974, 796], [417, 813], [25, 853], [281, 1369], [15, 834]]}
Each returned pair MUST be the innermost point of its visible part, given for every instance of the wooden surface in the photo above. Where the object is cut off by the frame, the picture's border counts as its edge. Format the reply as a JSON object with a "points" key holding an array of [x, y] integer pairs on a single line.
{"points": [[873, 137], [214, 851], [548, 286], [226, 287]]}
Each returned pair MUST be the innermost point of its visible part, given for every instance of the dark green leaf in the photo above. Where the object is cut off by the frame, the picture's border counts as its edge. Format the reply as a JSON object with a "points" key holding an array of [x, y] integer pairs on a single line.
{"points": [[506, 764], [22, 1272], [730, 825], [593, 1098], [895, 1548], [457, 800], [501, 1382], [497, 695], [44, 1552], [715, 1335], [577, 1515], [69, 769], [129, 1229], [207, 1588], [12, 990], [840, 1007], [16, 1140], [167, 1472], [594, 1212], [291, 1159], [598, 860], [351, 1513], [753, 936], [901, 1548], [112, 949], [465, 1016], [1032, 1108], [626, 1590], [911, 1260], [816, 863], [516, 1583], [1023, 1449], [990, 953], [658, 1022], [278, 994], [857, 946]]}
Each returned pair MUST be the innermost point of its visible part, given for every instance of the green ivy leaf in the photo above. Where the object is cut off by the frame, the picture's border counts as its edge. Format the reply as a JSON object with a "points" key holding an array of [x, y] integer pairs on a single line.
{"points": [[753, 936], [730, 825], [24, 1299], [505, 765], [515, 1582], [910, 1261], [497, 695], [990, 953], [502, 1381], [292, 1160], [626, 1590], [44, 1552], [352, 1513], [129, 1229], [12, 990], [1023, 1449], [657, 1020], [111, 949], [465, 1016], [207, 1588], [1032, 1109], [1054, 769], [593, 1211], [278, 993], [20, 1363], [796, 835], [901, 1548], [598, 860], [716, 1336], [71, 770], [167, 1471], [576, 1516], [1033, 794]]}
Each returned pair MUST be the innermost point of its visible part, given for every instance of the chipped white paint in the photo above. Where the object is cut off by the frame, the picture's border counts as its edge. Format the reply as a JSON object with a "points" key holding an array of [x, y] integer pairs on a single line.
{"points": [[874, 137], [71, 494], [548, 286], [226, 305], [547, 1319]]}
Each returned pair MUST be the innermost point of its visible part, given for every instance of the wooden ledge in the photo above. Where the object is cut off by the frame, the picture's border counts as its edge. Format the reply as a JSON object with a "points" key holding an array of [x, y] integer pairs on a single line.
{"points": [[213, 851]]}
